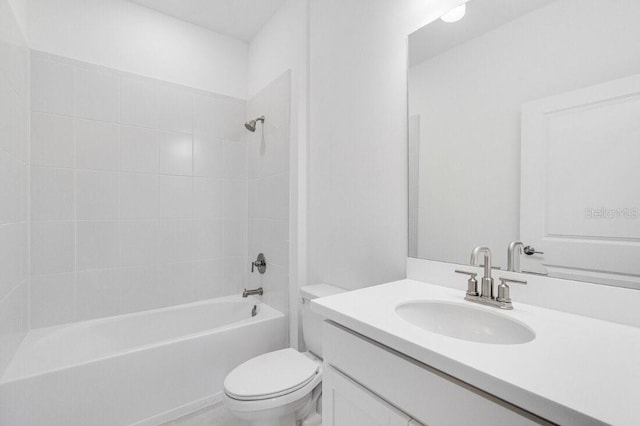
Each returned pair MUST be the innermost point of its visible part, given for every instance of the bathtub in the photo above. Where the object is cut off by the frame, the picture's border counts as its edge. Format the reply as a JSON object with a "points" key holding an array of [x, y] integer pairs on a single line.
{"points": [[136, 369]]}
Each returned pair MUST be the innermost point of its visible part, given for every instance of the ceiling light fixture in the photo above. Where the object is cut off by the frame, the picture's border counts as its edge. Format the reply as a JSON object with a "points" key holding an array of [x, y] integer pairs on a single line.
{"points": [[455, 14]]}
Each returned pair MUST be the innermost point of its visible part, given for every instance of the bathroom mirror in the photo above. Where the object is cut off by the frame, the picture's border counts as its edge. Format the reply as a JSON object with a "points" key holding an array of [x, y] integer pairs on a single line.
{"points": [[524, 125]]}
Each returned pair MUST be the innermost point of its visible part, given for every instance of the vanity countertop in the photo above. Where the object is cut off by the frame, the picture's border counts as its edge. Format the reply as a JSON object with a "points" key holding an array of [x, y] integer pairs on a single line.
{"points": [[578, 370]]}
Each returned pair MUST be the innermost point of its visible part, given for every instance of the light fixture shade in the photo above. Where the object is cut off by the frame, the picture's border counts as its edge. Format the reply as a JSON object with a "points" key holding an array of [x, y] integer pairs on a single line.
{"points": [[455, 14]]}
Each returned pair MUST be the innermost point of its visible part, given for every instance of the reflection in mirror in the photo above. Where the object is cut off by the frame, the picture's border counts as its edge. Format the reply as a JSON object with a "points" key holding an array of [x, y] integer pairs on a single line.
{"points": [[524, 125]]}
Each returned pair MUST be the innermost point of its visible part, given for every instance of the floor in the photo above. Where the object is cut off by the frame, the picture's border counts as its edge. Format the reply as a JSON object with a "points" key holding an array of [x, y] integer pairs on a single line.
{"points": [[214, 416]]}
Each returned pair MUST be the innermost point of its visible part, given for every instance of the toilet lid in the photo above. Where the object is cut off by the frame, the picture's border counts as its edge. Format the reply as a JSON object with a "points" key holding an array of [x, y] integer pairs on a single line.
{"points": [[270, 375]]}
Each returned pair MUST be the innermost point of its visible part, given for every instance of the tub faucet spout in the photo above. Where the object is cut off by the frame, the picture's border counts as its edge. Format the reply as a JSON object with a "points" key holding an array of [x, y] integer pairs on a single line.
{"points": [[257, 291]]}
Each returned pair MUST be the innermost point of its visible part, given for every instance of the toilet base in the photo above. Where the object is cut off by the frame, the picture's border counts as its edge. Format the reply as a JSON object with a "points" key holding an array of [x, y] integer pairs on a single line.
{"points": [[286, 415], [289, 420]]}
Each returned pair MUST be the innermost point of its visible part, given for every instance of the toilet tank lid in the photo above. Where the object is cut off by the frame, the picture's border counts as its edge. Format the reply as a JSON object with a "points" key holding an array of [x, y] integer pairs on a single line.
{"points": [[319, 290]]}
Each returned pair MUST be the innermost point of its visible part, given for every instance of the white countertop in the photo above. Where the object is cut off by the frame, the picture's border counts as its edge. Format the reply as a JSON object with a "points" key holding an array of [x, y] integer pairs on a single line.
{"points": [[578, 370]]}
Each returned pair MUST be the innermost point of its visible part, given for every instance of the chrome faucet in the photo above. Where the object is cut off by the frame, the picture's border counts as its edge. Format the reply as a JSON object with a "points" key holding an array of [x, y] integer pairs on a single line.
{"points": [[515, 250], [487, 281], [258, 291], [486, 295]]}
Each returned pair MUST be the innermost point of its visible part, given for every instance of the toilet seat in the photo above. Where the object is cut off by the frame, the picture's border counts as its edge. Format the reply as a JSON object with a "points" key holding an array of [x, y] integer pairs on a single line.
{"points": [[260, 384], [270, 375]]}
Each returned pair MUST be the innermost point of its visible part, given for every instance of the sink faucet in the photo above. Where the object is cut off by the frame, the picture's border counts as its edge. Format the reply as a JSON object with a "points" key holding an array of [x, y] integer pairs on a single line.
{"points": [[487, 281], [486, 295], [515, 250]]}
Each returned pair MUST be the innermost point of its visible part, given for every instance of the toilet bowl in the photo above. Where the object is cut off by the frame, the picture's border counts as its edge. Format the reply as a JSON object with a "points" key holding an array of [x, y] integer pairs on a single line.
{"points": [[281, 388]]}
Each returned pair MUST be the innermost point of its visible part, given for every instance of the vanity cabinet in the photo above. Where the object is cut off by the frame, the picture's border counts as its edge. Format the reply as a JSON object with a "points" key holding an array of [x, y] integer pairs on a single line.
{"points": [[346, 403], [366, 383]]}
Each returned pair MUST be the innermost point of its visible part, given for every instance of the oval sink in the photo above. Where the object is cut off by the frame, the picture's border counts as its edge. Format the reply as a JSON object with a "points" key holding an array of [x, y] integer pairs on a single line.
{"points": [[465, 322]]}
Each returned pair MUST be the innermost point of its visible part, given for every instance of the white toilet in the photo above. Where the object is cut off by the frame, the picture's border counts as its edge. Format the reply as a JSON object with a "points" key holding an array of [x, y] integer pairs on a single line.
{"points": [[282, 388]]}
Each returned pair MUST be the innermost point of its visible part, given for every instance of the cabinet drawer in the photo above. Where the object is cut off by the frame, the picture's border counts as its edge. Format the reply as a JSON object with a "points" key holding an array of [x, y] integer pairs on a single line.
{"points": [[424, 393]]}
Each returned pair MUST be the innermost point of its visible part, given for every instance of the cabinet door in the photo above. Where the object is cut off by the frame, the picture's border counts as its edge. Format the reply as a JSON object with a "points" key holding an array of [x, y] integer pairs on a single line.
{"points": [[346, 403]]}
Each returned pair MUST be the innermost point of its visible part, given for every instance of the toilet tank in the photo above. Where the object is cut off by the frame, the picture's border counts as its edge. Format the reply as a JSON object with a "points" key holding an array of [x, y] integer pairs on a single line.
{"points": [[312, 322]]}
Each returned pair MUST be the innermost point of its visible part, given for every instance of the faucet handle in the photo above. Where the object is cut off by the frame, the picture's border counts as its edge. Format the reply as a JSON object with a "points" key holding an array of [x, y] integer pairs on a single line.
{"points": [[471, 274], [503, 289], [509, 280], [530, 251], [472, 283]]}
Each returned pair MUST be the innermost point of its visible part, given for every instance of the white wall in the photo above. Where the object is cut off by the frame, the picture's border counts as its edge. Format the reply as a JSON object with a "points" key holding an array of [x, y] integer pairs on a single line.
{"points": [[281, 45], [19, 8], [14, 211], [128, 37], [469, 100], [358, 138]]}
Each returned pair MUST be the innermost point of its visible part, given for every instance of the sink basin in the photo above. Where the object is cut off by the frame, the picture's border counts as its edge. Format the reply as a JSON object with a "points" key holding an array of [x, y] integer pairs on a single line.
{"points": [[465, 322]]}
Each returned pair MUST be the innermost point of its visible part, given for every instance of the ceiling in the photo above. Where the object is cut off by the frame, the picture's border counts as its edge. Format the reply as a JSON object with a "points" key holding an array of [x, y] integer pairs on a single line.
{"points": [[482, 16], [240, 19]]}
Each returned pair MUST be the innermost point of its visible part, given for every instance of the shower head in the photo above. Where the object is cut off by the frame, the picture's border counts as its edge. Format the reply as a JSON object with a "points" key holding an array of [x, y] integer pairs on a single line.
{"points": [[251, 125]]}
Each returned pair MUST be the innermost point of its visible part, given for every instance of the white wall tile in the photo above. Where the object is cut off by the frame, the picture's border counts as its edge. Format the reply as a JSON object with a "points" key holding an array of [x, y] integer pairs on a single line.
{"points": [[219, 116], [124, 211], [12, 256], [176, 197], [235, 238], [98, 91], [14, 177], [138, 101], [97, 195], [175, 241], [175, 284], [176, 154], [276, 286], [52, 195], [98, 245], [208, 279], [268, 151], [97, 293], [208, 239], [52, 247], [208, 157], [208, 198], [235, 199], [52, 86], [269, 235], [269, 197], [235, 274], [13, 189], [12, 328], [52, 140], [138, 196], [139, 149], [137, 284], [97, 145], [235, 160], [52, 300], [175, 108], [138, 240]]}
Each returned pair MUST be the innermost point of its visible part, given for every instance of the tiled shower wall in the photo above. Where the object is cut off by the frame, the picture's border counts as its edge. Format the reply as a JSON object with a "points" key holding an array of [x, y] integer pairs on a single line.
{"points": [[138, 192], [14, 148], [269, 195]]}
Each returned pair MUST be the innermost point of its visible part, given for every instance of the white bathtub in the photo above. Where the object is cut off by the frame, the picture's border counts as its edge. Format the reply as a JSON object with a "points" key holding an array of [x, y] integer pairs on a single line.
{"points": [[136, 369]]}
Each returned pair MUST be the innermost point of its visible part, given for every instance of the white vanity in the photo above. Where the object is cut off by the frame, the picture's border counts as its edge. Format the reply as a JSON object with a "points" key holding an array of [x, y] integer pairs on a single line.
{"points": [[381, 369]]}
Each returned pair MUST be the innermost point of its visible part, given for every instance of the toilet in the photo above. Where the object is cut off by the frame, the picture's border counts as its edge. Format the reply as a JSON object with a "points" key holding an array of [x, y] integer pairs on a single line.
{"points": [[282, 388]]}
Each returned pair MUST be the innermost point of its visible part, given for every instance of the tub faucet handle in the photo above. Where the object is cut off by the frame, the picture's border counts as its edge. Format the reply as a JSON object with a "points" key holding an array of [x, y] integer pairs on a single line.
{"points": [[260, 263]]}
